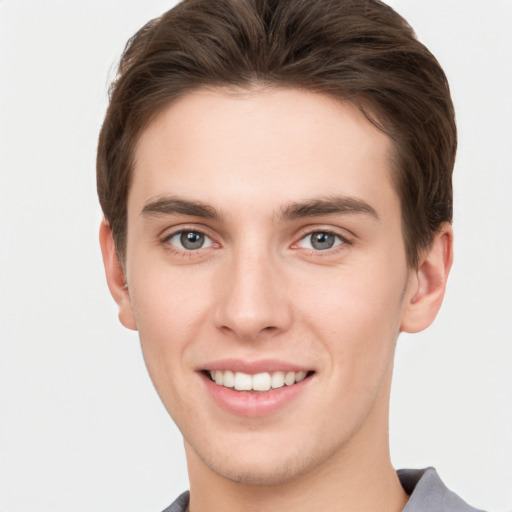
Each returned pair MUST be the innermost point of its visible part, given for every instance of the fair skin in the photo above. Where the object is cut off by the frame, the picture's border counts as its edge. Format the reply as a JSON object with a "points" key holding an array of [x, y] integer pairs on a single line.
{"points": [[264, 237]]}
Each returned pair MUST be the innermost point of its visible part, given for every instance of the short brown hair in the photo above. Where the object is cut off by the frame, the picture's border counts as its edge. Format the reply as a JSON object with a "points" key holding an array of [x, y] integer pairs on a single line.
{"points": [[354, 50]]}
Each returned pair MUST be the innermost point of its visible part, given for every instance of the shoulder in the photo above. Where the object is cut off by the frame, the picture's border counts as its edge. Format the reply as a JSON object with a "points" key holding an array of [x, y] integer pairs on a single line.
{"points": [[180, 505], [428, 493]]}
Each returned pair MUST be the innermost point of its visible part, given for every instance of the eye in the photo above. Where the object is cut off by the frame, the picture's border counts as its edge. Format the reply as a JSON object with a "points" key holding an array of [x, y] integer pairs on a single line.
{"points": [[320, 241], [189, 240]]}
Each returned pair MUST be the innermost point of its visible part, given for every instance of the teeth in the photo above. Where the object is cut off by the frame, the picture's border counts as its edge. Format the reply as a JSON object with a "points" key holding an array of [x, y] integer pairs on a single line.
{"points": [[229, 379], [261, 382], [258, 382], [300, 376], [289, 378], [277, 380], [243, 381]]}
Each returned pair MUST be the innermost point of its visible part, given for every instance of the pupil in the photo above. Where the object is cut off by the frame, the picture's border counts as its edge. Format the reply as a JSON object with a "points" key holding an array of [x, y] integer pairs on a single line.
{"points": [[322, 240], [192, 240]]}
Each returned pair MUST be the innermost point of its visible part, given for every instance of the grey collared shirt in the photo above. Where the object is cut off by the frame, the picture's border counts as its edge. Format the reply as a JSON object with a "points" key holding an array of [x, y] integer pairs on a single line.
{"points": [[427, 494]]}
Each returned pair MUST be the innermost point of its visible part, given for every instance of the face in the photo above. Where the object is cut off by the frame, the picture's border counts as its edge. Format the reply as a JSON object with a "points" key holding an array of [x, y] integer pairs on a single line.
{"points": [[267, 278]]}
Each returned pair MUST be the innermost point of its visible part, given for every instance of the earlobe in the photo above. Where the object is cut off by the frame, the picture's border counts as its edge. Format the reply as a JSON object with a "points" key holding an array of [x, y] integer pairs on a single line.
{"points": [[115, 277], [427, 284]]}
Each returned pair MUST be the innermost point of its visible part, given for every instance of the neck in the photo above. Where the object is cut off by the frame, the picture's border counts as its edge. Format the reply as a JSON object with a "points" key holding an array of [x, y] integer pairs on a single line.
{"points": [[330, 488], [357, 478]]}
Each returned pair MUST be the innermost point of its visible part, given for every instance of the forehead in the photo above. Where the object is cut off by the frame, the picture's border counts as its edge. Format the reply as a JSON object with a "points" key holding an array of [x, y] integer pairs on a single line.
{"points": [[269, 146]]}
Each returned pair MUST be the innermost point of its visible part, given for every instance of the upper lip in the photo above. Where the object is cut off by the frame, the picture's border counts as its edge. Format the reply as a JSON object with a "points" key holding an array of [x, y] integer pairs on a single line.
{"points": [[254, 367]]}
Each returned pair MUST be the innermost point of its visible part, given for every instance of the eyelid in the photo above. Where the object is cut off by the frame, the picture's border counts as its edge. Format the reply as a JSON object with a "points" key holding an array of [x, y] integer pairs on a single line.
{"points": [[208, 242], [310, 230], [185, 226], [337, 243], [345, 234], [169, 233]]}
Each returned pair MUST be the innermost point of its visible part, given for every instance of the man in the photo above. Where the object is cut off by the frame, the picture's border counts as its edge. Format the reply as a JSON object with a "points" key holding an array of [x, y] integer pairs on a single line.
{"points": [[276, 182]]}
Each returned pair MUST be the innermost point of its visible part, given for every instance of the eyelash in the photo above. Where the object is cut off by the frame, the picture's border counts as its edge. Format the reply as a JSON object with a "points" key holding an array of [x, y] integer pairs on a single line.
{"points": [[342, 244], [166, 241]]}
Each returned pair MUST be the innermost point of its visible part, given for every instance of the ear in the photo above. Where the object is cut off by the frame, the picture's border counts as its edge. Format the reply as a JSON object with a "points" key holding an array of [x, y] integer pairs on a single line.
{"points": [[427, 284], [115, 277]]}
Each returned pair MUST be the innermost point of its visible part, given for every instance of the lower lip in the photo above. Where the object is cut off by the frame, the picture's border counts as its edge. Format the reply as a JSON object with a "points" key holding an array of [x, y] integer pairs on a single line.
{"points": [[253, 405]]}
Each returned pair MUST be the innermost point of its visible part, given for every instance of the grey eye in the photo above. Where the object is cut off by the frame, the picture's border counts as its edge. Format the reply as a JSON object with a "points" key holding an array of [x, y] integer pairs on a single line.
{"points": [[320, 241], [190, 240]]}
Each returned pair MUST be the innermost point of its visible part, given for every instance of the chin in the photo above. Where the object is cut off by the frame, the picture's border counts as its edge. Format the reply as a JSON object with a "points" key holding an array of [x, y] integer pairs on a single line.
{"points": [[264, 474], [260, 467]]}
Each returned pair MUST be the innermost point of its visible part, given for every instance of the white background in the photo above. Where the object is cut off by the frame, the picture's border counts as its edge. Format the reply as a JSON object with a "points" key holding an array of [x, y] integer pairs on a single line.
{"points": [[80, 426]]}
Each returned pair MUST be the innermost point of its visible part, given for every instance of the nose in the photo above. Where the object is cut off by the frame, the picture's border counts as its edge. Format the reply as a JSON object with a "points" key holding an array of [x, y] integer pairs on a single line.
{"points": [[252, 297]]}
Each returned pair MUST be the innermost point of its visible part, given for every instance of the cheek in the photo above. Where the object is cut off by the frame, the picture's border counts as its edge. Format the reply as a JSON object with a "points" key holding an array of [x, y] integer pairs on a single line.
{"points": [[171, 314], [358, 316], [171, 309]]}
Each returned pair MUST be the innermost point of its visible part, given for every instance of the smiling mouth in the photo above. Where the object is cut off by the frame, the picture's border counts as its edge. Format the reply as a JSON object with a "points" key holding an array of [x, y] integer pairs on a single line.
{"points": [[258, 382]]}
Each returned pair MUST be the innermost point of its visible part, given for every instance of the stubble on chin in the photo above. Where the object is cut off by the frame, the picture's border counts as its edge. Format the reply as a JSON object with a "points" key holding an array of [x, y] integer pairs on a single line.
{"points": [[240, 471]]}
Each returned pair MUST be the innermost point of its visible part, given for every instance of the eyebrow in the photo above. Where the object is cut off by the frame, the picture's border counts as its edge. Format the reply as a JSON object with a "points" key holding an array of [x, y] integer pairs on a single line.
{"points": [[310, 208], [178, 206], [327, 206]]}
